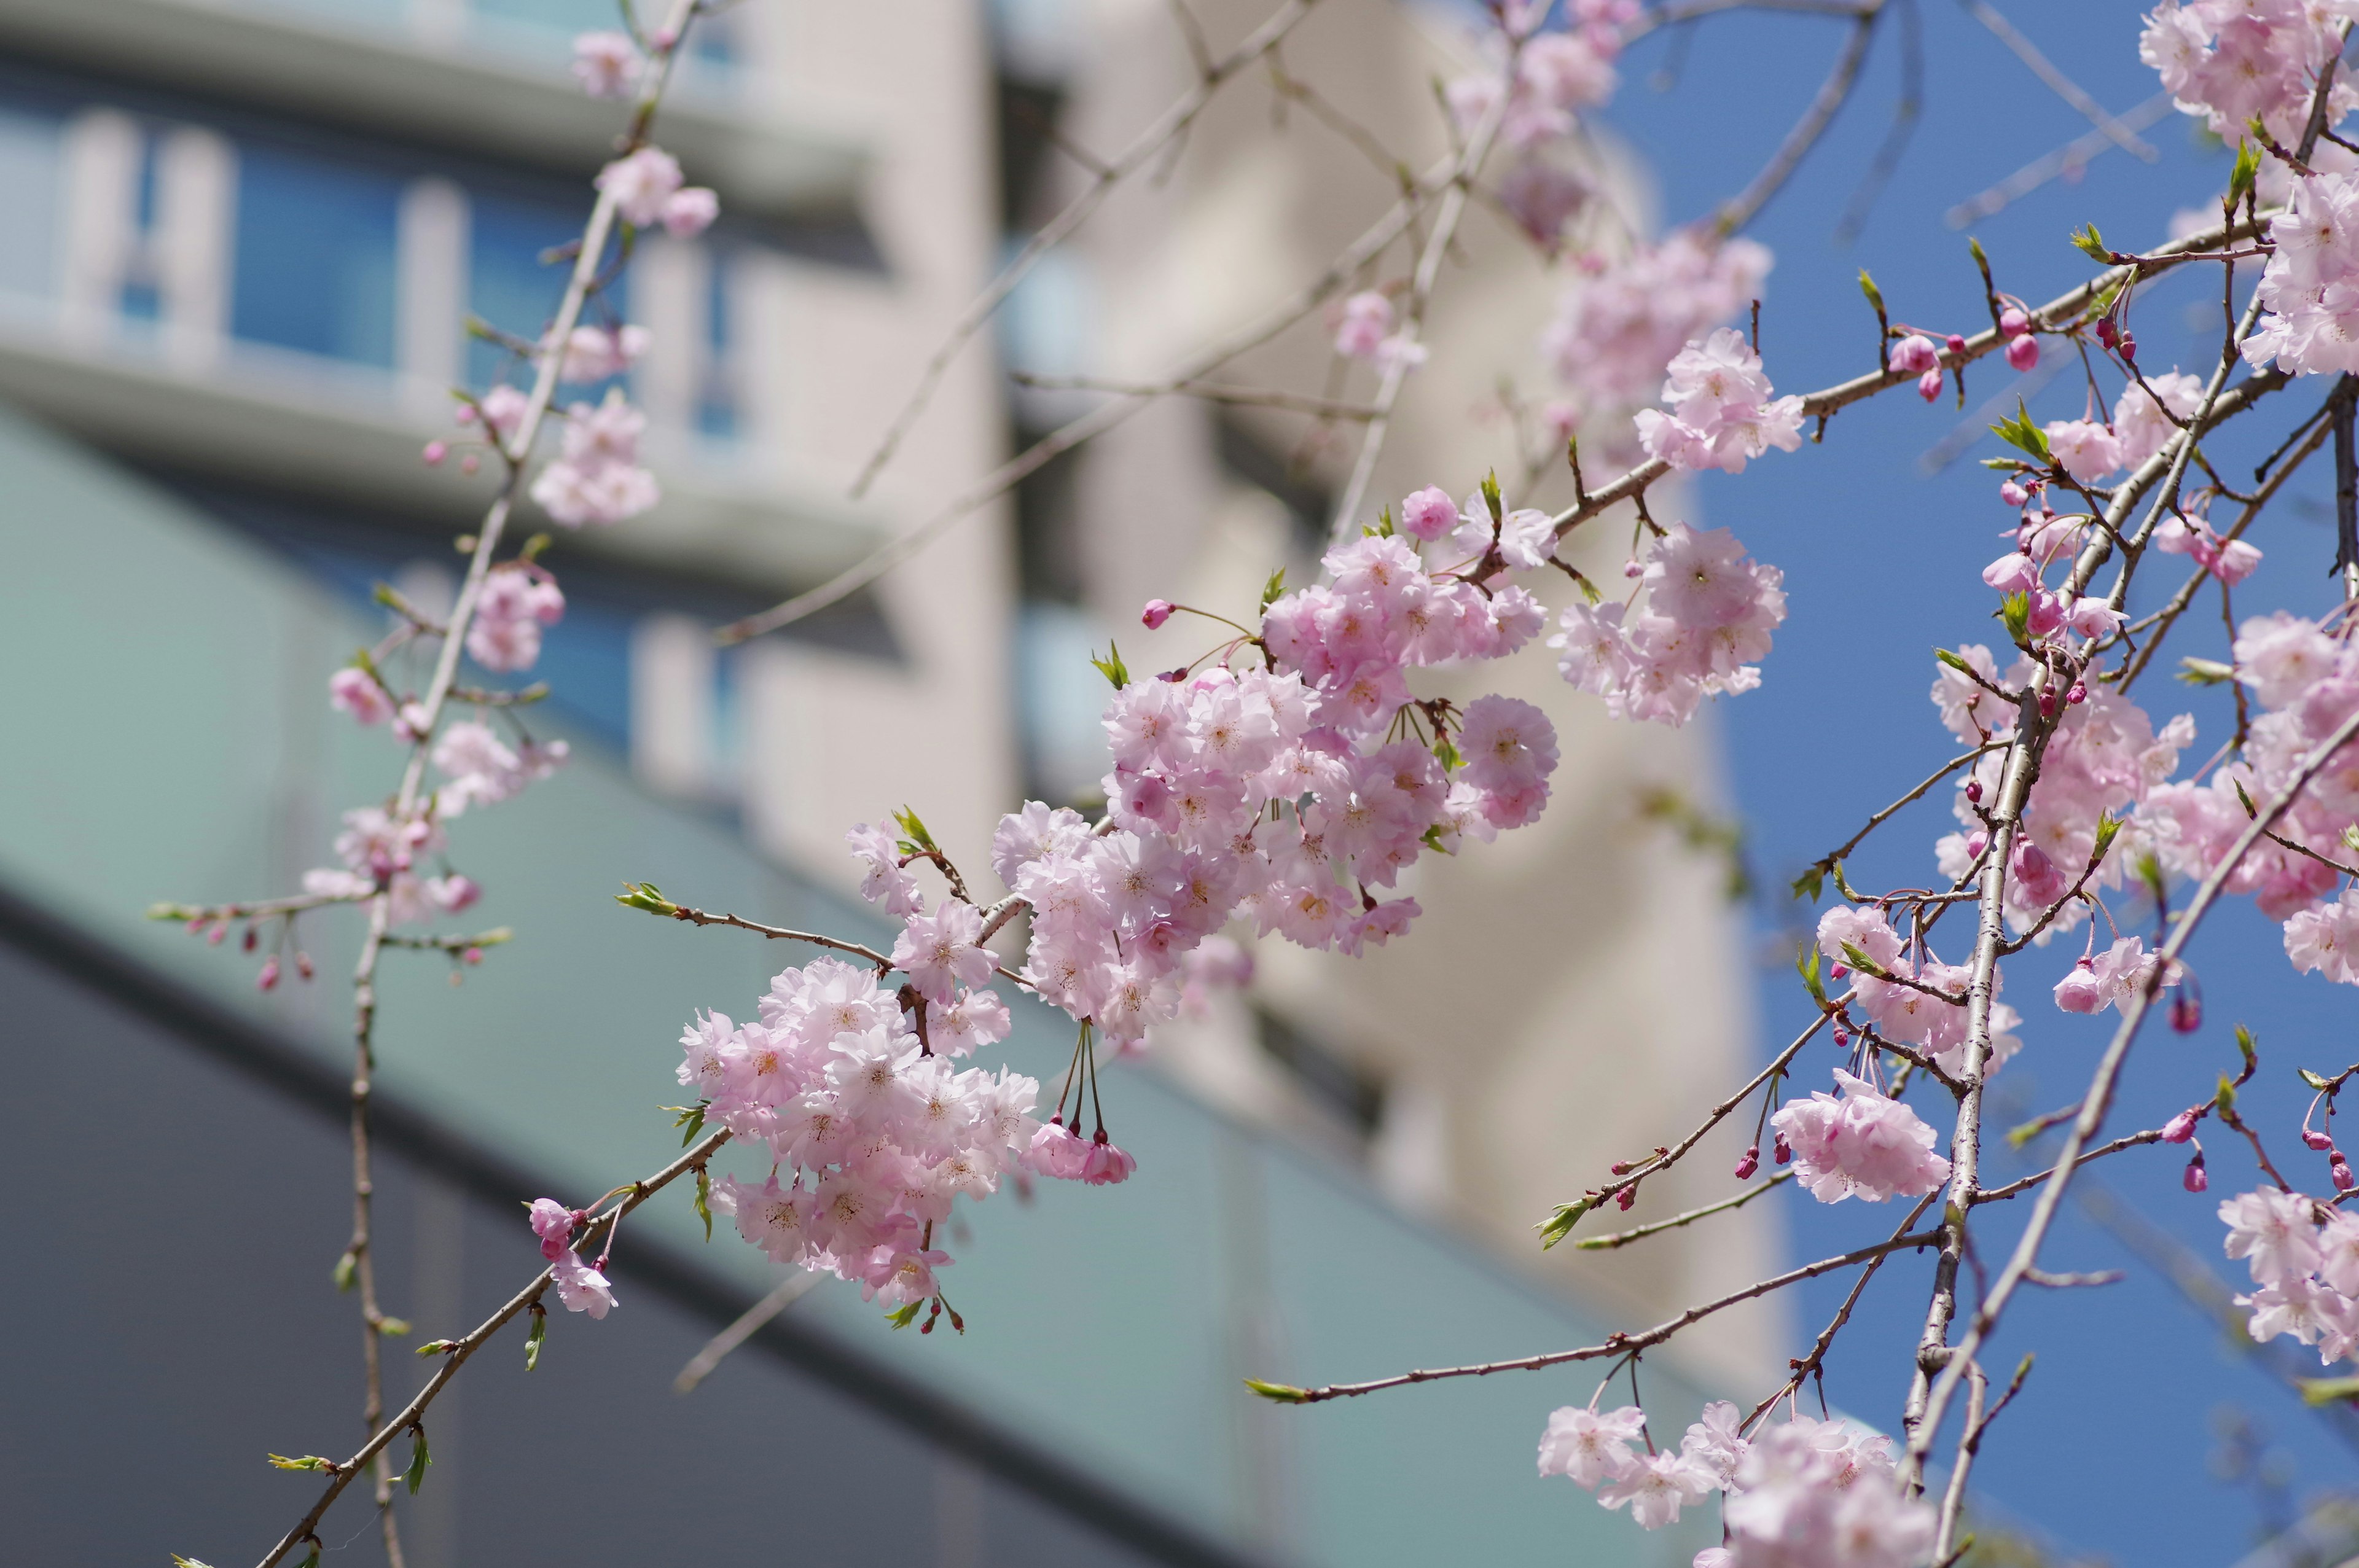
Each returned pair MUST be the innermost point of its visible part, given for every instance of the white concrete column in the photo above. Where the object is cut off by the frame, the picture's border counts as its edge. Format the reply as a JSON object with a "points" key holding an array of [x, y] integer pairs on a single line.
{"points": [[99, 226], [672, 705], [190, 245], [430, 294]]}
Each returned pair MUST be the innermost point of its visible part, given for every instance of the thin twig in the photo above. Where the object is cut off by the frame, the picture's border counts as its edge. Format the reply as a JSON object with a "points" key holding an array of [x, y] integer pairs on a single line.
{"points": [[1741, 208], [2063, 86], [1624, 1238]]}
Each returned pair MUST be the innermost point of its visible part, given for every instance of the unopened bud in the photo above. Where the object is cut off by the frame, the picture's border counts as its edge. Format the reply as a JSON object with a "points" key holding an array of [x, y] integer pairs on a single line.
{"points": [[469, 463], [435, 452], [249, 940], [2023, 354], [1928, 385], [2180, 1127], [2317, 1139], [2078, 695], [1956, 344], [1840, 971], [1158, 611], [2013, 322], [2129, 348], [219, 930], [303, 963], [2339, 1170], [1750, 1164], [2107, 333], [1842, 1040], [1973, 791], [2012, 494], [472, 955], [2195, 1180], [269, 975], [1628, 1196], [1633, 570], [2186, 1013], [1782, 1152], [2048, 705]]}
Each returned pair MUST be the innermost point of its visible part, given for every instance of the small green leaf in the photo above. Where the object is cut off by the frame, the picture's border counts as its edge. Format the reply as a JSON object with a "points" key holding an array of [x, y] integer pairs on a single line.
{"points": [[397, 1326], [2091, 243], [310, 1558], [2015, 610], [703, 1200], [691, 1122], [308, 1462], [914, 828], [2108, 827], [2016, 1137], [2246, 1045], [180, 1561], [1274, 590], [2023, 435], [2226, 1097], [2251, 812], [1446, 752], [2205, 672], [2240, 178], [1559, 1225], [1283, 1393], [1953, 661], [1861, 961], [532, 1341], [346, 1266], [1385, 522], [1112, 666], [1491, 498], [644, 895], [906, 1316], [419, 1459], [437, 1346], [1806, 961], [2312, 1079], [1875, 295], [1975, 248], [1431, 839], [2149, 870], [2326, 1390], [1810, 883]]}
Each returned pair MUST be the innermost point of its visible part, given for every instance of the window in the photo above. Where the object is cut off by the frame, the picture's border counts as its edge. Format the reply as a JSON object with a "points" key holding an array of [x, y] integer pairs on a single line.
{"points": [[510, 287], [315, 256], [28, 194]]}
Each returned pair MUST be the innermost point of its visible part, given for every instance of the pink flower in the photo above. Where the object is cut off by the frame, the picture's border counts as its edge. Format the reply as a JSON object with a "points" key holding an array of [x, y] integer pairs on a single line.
{"points": [[606, 64], [1588, 1446], [553, 1223], [1429, 513], [1365, 322], [2015, 573], [689, 211], [641, 184], [2023, 354], [1057, 1153], [941, 952], [1105, 1164], [1156, 612], [1914, 355], [2081, 992], [355, 691], [581, 1287], [1863, 1145]]}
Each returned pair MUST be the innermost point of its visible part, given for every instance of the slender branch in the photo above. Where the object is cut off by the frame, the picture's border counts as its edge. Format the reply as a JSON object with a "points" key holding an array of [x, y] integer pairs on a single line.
{"points": [[781, 934], [1618, 1343], [456, 1353], [1211, 392], [1172, 123], [1624, 1238], [789, 1291], [2073, 155], [2063, 86], [2025, 1184], [1741, 210], [1818, 1356]]}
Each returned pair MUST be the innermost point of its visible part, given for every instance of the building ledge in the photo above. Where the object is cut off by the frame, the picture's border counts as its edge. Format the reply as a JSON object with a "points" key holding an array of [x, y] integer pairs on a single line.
{"points": [[472, 86], [343, 435]]}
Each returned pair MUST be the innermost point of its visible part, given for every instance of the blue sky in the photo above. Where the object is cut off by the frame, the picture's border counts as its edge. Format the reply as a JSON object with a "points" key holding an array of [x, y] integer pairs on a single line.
{"points": [[2107, 1450]]}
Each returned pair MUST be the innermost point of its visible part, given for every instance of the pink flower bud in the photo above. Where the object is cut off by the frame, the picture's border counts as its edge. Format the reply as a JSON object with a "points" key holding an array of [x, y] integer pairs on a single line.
{"points": [[1842, 1039], [269, 979], [1840, 971], [1750, 1164], [435, 452], [2078, 695], [2128, 347], [1976, 843], [2013, 322], [469, 463], [2339, 1169], [2314, 1139], [303, 963], [1628, 1196], [1782, 1152], [1928, 385], [664, 39], [2180, 1127], [471, 955], [2023, 354], [1956, 344], [248, 941], [1914, 355], [2107, 333], [1429, 513], [1974, 793], [220, 930], [2186, 1013], [464, 415], [2195, 1181], [2011, 493], [1632, 570], [1158, 611], [2081, 992]]}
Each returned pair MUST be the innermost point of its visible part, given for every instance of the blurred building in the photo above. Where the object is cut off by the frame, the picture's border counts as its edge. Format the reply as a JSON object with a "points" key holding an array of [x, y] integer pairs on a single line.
{"points": [[242, 235]]}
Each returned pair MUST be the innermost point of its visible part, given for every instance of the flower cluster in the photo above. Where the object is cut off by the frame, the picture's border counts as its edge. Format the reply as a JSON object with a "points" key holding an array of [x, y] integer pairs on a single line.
{"points": [[1557, 75], [2092, 449], [597, 477], [2306, 678], [2111, 978], [1865, 1145], [1623, 321], [1721, 409], [647, 189], [2304, 1257], [1895, 986], [2234, 61], [2103, 759], [606, 64], [1365, 330], [1800, 1493], [2310, 286], [871, 1129], [1709, 608], [517, 600]]}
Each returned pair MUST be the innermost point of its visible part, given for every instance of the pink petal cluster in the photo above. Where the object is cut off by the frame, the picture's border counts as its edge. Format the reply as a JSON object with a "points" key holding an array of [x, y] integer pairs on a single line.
{"points": [[646, 190], [593, 354], [1709, 608], [1863, 1145], [1622, 321], [483, 770], [2304, 1256], [2114, 977], [872, 1137], [2091, 449], [517, 600], [1722, 410], [2189, 534], [381, 852], [2306, 679], [597, 478], [1905, 1014], [2310, 286], [1557, 75], [2233, 61], [2105, 757], [1810, 1494], [355, 691], [606, 64]]}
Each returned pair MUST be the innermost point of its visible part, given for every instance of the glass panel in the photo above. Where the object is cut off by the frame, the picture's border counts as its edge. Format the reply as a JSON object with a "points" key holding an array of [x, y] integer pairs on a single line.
{"points": [[28, 194], [315, 258]]}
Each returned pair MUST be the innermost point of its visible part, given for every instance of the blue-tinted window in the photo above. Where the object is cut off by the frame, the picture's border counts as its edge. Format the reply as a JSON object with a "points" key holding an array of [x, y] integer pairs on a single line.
{"points": [[315, 256], [28, 194], [716, 403], [511, 288]]}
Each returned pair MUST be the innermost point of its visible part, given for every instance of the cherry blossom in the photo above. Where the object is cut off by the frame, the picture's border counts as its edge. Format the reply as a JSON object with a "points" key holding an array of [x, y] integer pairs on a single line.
{"points": [[1863, 1145], [607, 64], [1722, 411]]}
